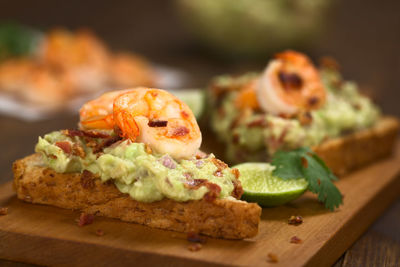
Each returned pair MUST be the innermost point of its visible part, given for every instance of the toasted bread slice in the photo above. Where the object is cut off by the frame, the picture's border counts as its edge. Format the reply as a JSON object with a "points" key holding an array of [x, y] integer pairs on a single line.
{"points": [[223, 218], [360, 148]]}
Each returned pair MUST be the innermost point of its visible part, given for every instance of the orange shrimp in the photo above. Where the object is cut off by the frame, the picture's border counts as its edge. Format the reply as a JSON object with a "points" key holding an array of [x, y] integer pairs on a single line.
{"points": [[159, 119], [290, 84], [247, 97], [98, 113]]}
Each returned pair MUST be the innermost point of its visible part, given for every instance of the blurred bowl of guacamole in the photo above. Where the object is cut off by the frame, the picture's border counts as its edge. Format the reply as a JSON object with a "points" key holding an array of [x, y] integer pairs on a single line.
{"points": [[248, 28]]}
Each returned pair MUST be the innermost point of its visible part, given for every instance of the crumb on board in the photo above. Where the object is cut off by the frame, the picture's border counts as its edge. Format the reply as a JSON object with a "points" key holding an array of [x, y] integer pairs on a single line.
{"points": [[295, 240], [195, 247], [272, 257], [85, 219], [3, 211], [295, 220], [99, 232], [195, 238]]}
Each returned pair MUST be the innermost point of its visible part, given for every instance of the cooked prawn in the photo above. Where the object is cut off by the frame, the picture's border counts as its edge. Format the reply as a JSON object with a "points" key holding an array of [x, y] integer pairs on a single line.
{"points": [[290, 84], [159, 119], [151, 116], [98, 113]]}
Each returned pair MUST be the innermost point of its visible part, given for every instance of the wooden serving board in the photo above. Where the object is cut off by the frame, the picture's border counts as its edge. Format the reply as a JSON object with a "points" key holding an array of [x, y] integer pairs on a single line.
{"points": [[50, 236]]}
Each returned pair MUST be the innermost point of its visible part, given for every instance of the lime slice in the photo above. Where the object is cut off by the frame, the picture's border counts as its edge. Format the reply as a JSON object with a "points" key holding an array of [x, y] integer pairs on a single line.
{"points": [[194, 98], [261, 186]]}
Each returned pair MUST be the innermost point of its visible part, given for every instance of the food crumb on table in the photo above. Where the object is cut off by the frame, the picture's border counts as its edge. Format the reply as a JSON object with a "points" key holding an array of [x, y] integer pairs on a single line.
{"points": [[3, 211], [272, 257], [195, 247], [85, 219], [295, 240], [99, 232], [295, 220]]}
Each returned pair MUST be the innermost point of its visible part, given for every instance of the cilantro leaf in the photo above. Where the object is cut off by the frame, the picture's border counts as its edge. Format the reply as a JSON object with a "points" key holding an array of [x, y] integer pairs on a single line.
{"points": [[303, 163]]}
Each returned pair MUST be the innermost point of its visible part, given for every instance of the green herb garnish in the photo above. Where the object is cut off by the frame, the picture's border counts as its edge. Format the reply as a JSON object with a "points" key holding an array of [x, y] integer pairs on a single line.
{"points": [[303, 163], [16, 40]]}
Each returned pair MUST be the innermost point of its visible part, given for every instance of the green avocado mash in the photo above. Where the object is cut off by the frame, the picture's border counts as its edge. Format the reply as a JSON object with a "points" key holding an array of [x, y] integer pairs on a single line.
{"points": [[255, 135], [146, 177]]}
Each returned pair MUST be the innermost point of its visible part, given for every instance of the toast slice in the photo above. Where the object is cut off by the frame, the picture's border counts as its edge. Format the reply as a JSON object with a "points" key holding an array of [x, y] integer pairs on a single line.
{"points": [[222, 218], [360, 148]]}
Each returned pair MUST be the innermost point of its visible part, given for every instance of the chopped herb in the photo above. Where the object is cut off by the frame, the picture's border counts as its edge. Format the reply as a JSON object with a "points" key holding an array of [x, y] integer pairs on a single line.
{"points": [[303, 163]]}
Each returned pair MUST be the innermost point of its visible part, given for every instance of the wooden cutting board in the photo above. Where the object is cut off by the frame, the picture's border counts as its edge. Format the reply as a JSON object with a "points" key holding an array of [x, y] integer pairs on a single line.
{"points": [[50, 236]]}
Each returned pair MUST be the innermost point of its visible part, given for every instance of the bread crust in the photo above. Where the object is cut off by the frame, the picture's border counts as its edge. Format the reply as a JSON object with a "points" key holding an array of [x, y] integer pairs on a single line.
{"points": [[360, 148], [230, 219]]}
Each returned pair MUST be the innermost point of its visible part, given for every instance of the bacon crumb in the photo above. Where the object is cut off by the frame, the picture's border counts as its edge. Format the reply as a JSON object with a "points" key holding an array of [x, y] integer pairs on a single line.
{"points": [[85, 219], [235, 172], [180, 131], [305, 118], [220, 164], [195, 238], [3, 211], [312, 101], [65, 146], [77, 150], [81, 133], [237, 189], [157, 123], [295, 220], [272, 257], [214, 192], [99, 232], [218, 173], [295, 240], [304, 162], [195, 247], [87, 180]]}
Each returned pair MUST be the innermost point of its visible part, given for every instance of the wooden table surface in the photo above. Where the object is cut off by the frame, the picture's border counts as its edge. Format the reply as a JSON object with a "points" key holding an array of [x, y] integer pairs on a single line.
{"points": [[363, 35]]}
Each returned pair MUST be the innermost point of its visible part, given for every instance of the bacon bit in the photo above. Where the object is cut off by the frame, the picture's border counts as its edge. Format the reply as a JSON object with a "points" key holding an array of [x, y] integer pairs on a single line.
{"points": [[235, 138], [214, 192], [295, 220], [188, 175], [319, 182], [237, 189], [218, 173], [200, 154], [329, 63], [195, 238], [180, 131], [81, 133], [87, 180], [194, 183], [184, 114], [304, 162], [272, 257], [220, 164], [295, 240], [235, 172], [99, 232], [258, 123], [290, 81], [195, 247], [106, 143], [157, 123], [312, 101], [148, 149], [3, 211], [65, 146], [77, 150], [85, 219], [357, 106], [305, 118], [52, 156], [91, 143]]}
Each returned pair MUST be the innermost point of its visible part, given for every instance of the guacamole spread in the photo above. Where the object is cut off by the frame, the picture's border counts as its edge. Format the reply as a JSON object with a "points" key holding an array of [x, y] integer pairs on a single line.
{"points": [[253, 135], [136, 170]]}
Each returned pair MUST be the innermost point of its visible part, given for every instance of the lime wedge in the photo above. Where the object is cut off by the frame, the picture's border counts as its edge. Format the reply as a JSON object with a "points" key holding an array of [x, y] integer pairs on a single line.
{"points": [[194, 98], [261, 186]]}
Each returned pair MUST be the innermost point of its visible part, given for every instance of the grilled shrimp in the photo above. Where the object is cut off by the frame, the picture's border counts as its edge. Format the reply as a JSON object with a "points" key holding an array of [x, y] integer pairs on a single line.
{"points": [[290, 84], [151, 116], [159, 119], [98, 113]]}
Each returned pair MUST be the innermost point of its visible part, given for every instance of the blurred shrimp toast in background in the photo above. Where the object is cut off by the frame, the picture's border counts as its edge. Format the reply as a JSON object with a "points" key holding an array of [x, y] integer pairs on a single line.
{"points": [[61, 65]]}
